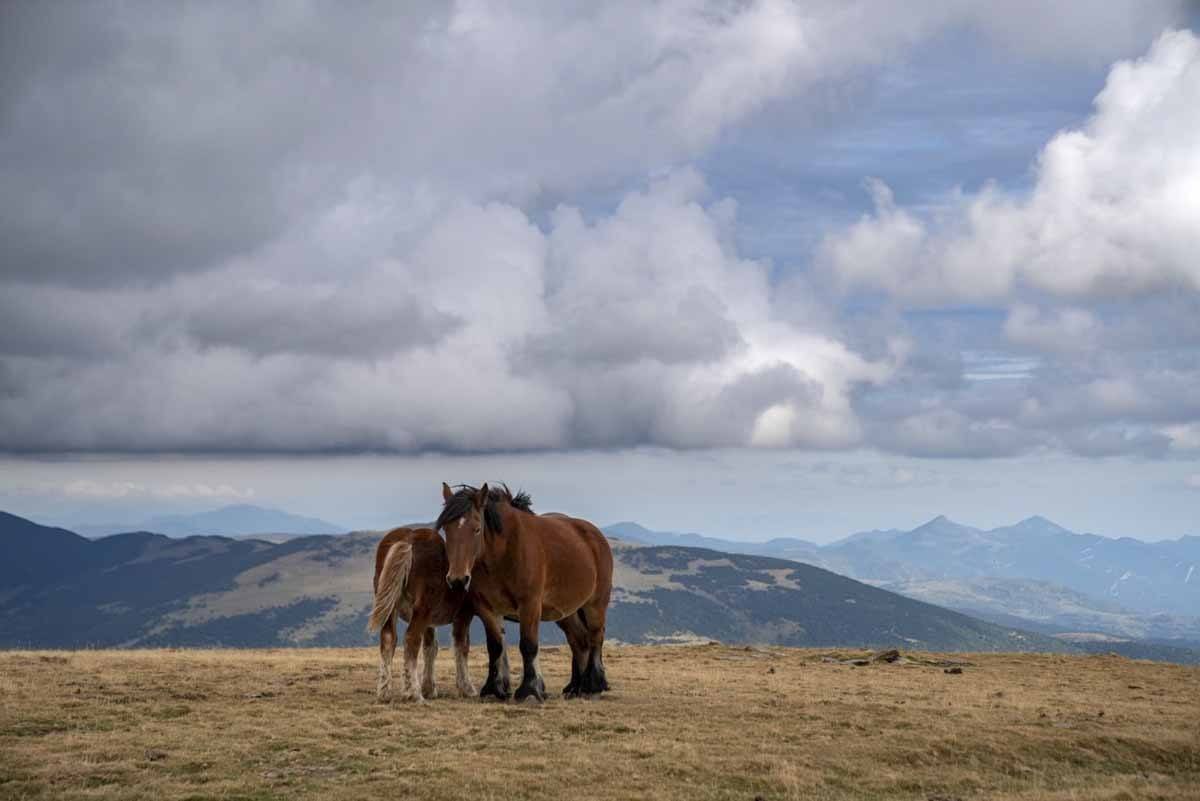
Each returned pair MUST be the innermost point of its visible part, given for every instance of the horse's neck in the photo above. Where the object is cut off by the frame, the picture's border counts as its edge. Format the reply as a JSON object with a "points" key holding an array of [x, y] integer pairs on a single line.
{"points": [[505, 547]]}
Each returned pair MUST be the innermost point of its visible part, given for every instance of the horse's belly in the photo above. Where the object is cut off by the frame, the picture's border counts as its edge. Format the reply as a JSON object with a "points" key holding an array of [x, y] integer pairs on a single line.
{"points": [[565, 597], [551, 614]]}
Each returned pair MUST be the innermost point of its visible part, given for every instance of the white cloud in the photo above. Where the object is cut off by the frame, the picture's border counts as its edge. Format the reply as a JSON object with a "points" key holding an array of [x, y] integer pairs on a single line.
{"points": [[1095, 263], [1063, 329], [1114, 210], [1184, 436]]}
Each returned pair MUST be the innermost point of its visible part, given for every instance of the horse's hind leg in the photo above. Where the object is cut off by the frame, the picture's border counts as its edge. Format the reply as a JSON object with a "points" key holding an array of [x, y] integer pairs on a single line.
{"points": [[594, 679], [429, 649], [577, 638], [412, 648], [387, 649], [462, 647]]}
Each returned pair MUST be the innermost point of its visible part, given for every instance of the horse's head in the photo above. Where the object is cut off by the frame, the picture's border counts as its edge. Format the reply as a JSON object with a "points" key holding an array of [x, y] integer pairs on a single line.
{"points": [[462, 522]]}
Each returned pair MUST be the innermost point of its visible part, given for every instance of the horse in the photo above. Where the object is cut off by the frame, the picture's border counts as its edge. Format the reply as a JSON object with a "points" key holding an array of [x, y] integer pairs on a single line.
{"points": [[410, 571], [530, 568]]}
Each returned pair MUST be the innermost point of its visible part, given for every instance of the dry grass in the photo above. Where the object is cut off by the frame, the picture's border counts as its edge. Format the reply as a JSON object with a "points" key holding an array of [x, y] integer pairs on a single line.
{"points": [[703, 722]]}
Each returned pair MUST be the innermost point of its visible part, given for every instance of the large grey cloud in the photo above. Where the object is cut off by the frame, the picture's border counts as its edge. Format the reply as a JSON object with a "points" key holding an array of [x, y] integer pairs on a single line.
{"points": [[288, 229], [482, 333]]}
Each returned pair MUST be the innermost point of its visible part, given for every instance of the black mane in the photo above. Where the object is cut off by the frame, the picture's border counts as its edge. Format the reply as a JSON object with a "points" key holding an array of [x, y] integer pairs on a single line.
{"points": [[521, 500], [463, 500]]}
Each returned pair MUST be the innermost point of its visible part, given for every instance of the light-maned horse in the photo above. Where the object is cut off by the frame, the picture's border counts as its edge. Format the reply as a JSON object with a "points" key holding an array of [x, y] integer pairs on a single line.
{"points": [[530, 568], [410, 583]]}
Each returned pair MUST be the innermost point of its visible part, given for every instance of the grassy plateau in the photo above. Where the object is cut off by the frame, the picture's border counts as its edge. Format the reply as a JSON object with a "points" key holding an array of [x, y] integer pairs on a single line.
{"points": [[683, 722]]}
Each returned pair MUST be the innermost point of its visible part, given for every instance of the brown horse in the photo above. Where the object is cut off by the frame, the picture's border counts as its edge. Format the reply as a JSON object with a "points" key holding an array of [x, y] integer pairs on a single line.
{"points": [[410, 582], [530, 568]]}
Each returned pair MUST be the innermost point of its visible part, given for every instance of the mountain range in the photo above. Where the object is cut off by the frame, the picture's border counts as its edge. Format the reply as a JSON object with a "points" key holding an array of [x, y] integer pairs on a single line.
{"points": [[238, 520], [1035, 573], [143, 588], [58, 589]]}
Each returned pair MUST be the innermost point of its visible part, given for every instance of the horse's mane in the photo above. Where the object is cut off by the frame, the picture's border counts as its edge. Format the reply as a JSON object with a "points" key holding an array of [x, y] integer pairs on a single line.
{"points": [[501, 492], [464, 497]]}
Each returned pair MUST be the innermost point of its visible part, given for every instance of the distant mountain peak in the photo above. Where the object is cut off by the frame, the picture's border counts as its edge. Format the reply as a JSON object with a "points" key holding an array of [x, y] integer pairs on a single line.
{"points": [[1040, 525], [941, 522], [627, 525], [240, 520]]}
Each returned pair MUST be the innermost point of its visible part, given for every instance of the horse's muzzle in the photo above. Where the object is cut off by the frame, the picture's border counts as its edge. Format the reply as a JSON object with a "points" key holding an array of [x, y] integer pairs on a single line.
{"points": [[459, 582]]}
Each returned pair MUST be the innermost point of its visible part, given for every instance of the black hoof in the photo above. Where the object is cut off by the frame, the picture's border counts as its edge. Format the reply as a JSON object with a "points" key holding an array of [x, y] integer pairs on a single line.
{"points": [[494, 691], [592, 682], [534, 690]]}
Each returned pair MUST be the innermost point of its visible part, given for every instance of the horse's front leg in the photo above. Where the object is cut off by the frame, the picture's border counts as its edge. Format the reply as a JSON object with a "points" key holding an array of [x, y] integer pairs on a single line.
{"points": [[497, 683], [532, 686], [462, 647]]}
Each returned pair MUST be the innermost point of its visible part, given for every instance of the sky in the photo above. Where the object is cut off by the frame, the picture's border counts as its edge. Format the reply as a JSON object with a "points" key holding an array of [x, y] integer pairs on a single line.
{"points": [[752, 269]]}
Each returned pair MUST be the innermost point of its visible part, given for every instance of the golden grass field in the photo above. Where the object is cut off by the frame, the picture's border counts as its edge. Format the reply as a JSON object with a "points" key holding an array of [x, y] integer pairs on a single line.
{"points": [[702, 722]]}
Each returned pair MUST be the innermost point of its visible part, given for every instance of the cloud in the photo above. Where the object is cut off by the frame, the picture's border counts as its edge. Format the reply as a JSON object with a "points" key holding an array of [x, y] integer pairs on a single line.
{"points": [[1113, 211], [483, 333], [1184, 437], [92, 490], [1076, 30], [469, 227], [1061, 329], [1094, 266], [140, 142], [950, 433]]}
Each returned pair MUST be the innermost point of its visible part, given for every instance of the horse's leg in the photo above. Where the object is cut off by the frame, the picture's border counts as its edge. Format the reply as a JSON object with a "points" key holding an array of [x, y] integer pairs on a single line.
{"points": [[594, 619], [462, 647], [387, 648], [412, 648], [497, 683], [429, 649], [532, 686], [577, 638], [505, 669]]}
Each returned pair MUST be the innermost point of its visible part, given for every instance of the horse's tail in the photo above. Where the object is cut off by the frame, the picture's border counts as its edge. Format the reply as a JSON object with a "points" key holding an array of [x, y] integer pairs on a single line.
{"points": [[390, 587]]}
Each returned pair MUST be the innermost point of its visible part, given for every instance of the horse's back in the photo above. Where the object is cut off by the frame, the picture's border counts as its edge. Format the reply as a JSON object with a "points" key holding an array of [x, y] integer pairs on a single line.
{"points": [[594, 537], [427, 576], [385, 544], [573, 540]]}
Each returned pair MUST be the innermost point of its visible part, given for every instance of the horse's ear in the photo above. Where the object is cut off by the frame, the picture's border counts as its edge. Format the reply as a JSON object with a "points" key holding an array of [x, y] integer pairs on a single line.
{"points": [[447, 493], [481, 496]]}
